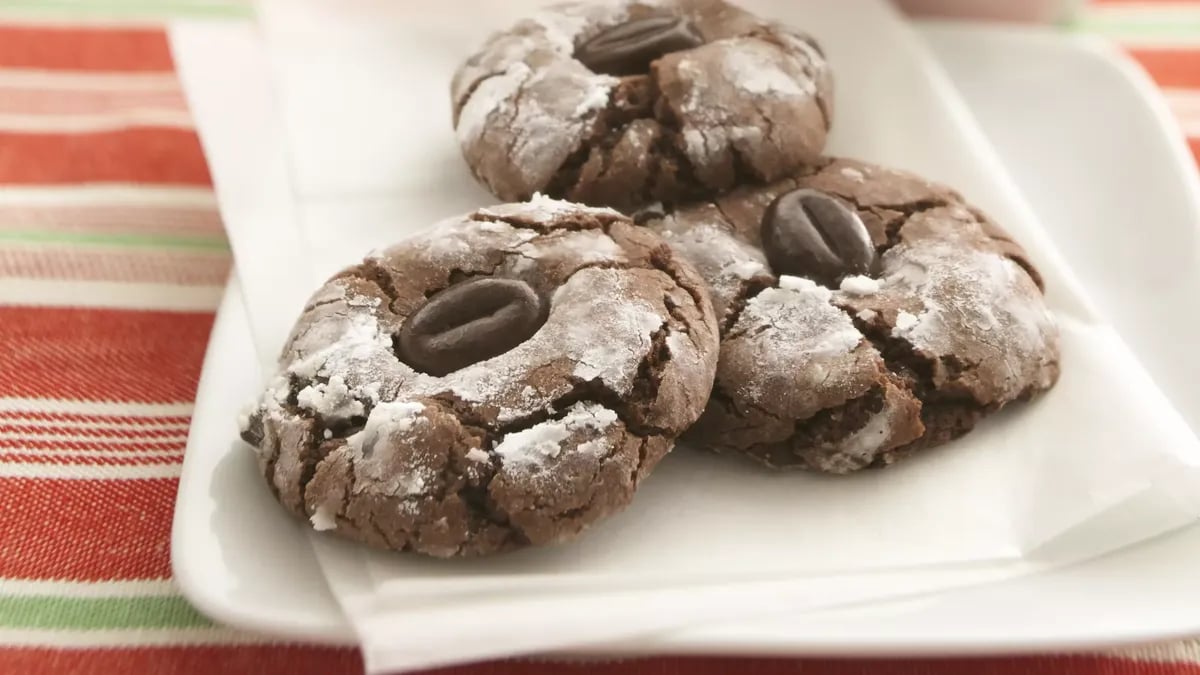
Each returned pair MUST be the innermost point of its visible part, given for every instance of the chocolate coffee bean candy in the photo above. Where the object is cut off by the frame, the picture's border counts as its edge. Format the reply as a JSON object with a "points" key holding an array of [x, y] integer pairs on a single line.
{"points": [[470, 322], [807, 233], [629, 48]]}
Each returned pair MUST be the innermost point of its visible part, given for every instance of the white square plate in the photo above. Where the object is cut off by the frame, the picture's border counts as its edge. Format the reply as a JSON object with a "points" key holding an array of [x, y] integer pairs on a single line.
{"points": [[243, 562]]}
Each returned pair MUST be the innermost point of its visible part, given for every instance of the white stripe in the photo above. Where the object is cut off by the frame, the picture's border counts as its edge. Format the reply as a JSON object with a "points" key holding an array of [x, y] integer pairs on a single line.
{"points": [[109, 294], [1190, 127], [140, 426], [51, 405], [109, 194], [1185, 104], [1187, 651], [81, 439], [138, 439], [1136, 40], [1183, 100], [45, 79], [89, 472], [151, 443], [134, 637], [96, 123], [43, 19], [88, 589]]}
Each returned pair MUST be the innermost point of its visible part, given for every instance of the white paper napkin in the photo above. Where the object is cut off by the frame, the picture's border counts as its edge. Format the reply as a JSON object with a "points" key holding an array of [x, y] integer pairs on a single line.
{"points": [[1101, 462]]}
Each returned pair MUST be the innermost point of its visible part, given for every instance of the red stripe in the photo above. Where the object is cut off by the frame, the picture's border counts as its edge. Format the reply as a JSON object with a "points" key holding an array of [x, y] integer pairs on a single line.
{"points": [[15, 458], [1179, 68], [256, 660], [101, 354], [43, 444], [128, 50], [141, 155], [83, 434], [86, 530], [80, 417], [298, 660]]}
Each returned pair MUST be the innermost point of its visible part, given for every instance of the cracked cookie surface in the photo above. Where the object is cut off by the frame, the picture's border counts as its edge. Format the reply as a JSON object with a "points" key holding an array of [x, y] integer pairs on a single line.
{"points": [[528, 447], [950, 326], [750, 102]]}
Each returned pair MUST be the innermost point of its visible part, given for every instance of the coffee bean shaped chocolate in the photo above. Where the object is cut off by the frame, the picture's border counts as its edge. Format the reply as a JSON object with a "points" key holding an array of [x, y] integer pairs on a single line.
{"points": [[470, 322], [630, 48], [807, 233]]}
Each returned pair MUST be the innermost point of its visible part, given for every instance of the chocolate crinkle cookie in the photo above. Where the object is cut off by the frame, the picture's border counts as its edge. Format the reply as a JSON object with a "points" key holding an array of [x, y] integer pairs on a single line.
{"points": [[506, 379], [865, 313], [629, 102]]}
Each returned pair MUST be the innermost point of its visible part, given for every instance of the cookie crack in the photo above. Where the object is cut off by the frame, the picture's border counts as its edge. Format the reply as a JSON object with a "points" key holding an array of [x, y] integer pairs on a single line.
{"points": [[742, 164], [372, 272], [458, 275], [748, 289], [311, 456], [914, 372], [583, 509], [643, 453], [807, 433], [907, 210], [577, 222], [466, 97], [821, 431], [822, 105], [518, 100], [477, 497], [663, 259], [269, 465], [721, 394], [681, 323]]}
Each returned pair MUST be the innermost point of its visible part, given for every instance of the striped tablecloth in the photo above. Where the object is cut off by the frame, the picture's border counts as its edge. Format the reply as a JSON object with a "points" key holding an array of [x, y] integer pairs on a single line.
{"points": [[112, 262]]}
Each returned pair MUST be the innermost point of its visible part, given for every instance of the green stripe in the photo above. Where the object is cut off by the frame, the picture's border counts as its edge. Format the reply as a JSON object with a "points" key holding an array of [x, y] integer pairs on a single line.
{"points": [[128, 8], [131, 240], [41, 612], [1186, 26]]}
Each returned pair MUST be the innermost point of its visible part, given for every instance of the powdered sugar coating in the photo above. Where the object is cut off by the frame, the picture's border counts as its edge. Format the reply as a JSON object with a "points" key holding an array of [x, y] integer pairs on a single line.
{"points": [[352, 437], [543, 442], [727, 262], [757, 70], [778, 123], [332, 399], [853, 174], [478, 455], [796, 332], [323, 519], [859, 285], [957, 299], [538, 208]]}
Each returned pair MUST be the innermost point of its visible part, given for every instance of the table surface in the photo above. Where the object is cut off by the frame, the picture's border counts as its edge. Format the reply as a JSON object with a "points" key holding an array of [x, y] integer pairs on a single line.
{"points": [[112, 262]]}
